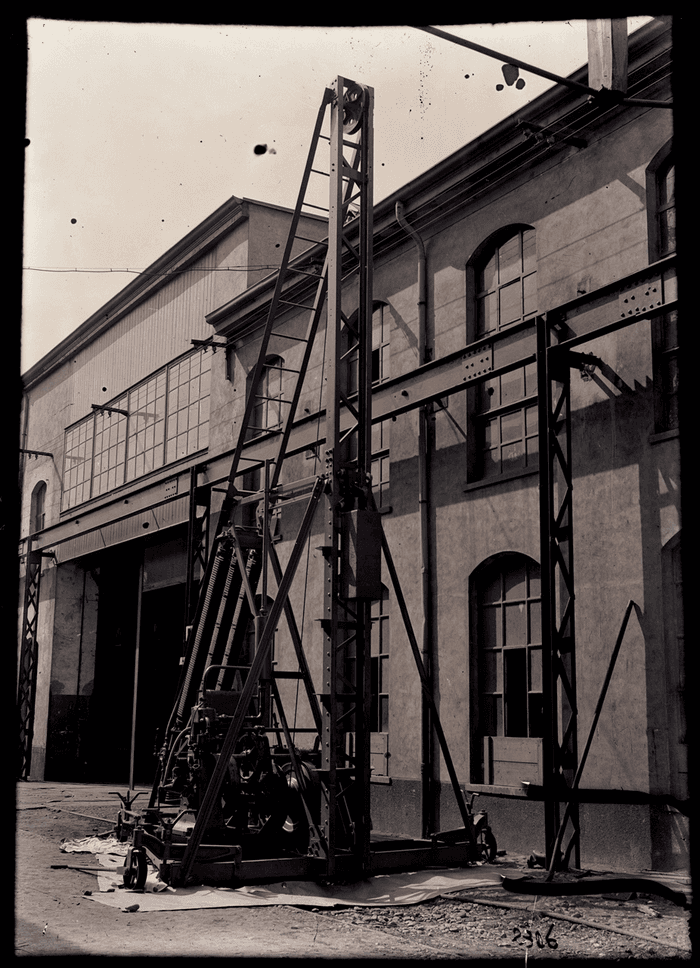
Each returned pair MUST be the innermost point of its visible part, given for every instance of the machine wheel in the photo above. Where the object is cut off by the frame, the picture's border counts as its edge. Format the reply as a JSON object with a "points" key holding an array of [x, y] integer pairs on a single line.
{"points": [[135, 869], [486, 843], [295, 829]]}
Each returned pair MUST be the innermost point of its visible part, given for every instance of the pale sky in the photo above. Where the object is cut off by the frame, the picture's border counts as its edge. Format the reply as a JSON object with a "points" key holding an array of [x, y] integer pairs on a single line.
{"points": [[138, 132]]}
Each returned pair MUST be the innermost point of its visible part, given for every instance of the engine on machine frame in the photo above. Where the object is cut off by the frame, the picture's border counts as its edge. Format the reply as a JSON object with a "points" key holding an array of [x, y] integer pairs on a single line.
{"points": [[259, 806]]}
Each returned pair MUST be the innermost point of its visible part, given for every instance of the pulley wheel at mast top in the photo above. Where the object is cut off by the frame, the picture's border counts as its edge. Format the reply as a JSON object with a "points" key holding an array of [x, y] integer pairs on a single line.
{"points": [[354, 102]]}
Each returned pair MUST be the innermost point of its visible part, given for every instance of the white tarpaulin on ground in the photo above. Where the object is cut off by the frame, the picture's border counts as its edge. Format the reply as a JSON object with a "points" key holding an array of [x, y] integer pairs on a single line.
{"points": [[382, 890]]}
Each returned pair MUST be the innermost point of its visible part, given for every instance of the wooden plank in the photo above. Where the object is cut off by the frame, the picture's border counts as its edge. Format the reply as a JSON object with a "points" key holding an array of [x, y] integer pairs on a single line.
{"points": [[607, 54]]}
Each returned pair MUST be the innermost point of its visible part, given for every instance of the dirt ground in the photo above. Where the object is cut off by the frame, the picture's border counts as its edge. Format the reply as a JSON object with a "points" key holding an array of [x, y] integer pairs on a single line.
{"points": [[54, 916]]}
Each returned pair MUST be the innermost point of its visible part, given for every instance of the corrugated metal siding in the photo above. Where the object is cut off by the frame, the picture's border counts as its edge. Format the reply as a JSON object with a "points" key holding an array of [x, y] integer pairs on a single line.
{"points": [[151, 335], [136, 526], [154, 333]]}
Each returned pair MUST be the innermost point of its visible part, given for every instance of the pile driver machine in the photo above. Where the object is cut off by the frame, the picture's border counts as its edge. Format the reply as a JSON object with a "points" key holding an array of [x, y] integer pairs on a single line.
{"points": [[236, 799]]}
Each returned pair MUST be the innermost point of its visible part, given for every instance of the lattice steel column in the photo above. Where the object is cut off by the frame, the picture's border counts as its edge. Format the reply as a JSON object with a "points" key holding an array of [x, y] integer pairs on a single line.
{"points": [[26, 691], [346, 616], [560, 754]]}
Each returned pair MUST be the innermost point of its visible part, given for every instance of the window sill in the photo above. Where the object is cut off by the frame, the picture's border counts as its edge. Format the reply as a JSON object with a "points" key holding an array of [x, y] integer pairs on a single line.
{"points": [[387, 509], [380, 779], [494, 790], [664, 435], [501, 478]]}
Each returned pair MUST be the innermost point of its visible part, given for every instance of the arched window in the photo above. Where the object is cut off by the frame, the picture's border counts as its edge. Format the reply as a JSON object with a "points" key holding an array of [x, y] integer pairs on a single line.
{"points": [[666, 208], [506, 664], [38, 508], [505, 281], [502, 286], [661, 203], [661, 220]]}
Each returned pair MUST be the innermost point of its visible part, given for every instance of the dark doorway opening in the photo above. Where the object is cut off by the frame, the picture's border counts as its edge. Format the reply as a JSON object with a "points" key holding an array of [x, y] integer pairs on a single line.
{"points": [[108, 739], [160, 648]]}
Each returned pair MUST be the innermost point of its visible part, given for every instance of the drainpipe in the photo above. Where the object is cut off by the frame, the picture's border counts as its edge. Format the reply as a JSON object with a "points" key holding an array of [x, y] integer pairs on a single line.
{"points": [[424, 449]]}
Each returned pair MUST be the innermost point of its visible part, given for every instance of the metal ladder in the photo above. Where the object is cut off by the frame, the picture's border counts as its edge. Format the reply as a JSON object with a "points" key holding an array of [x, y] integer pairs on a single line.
{"points": [[229, 578]]}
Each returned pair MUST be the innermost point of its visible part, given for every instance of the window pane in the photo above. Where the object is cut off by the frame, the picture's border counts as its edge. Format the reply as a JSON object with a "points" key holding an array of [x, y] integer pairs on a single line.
{"points": [[512, 426], [491, 591], [509, 263], [516, 704], [667, 187], [535, 670], [513, 456], [515, 583], [491, 627], [383, 714], [512, 386], [490, 672], [530, 421], [535, 622], [529, 251], [491, 716], [530, 379], [667, 226], [489, 394], [486, 279], [529, 295], [510, 303], [516, 627], [532, 448], [670, 330], [536, 715], [492, 462], [486, 314]]}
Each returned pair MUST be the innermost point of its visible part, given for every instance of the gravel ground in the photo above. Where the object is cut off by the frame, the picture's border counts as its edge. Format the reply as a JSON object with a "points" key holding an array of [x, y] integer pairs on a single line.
{"points": [[53, 916]]}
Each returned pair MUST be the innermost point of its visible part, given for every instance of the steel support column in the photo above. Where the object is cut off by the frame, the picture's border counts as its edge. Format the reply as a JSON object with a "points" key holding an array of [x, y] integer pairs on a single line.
{"points": [[28, 658], [346, 691], [560, 756], [197, 541]]}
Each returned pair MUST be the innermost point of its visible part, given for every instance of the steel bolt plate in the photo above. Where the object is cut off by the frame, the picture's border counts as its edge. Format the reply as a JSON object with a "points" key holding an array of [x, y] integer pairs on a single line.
{"points": [[641, 298], [477, 362]]}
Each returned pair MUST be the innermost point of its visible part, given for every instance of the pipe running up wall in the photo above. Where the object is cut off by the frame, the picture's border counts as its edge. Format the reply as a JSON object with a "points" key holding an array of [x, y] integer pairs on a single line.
{"points": [[424, 450]]}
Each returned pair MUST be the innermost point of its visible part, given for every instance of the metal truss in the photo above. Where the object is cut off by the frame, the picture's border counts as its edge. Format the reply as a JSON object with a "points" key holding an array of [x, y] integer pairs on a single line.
{"points": [[560, 757], [28, 658]]}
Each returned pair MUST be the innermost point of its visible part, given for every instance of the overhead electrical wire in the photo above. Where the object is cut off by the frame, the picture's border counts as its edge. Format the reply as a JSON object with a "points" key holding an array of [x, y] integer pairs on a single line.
{"points": [[489, 179], [145, 272]]}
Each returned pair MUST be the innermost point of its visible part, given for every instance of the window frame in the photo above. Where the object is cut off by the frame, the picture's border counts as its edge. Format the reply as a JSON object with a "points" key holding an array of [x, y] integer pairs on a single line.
{"points": [[380, 661], [37, 510], [497, 570], [261, 409], [99, 434], [664, 327], [482, 417]]}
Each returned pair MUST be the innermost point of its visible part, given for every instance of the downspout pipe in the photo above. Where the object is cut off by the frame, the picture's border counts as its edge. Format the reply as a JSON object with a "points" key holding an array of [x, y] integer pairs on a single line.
{"points": [[424, 449]]}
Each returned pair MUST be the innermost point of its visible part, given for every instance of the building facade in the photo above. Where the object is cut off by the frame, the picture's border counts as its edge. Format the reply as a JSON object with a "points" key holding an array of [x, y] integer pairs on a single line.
{"points": [[563, 211]]}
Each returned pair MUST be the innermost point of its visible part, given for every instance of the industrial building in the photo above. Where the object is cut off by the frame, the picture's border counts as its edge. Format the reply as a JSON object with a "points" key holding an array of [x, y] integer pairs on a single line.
{"points": [[558, 220]]}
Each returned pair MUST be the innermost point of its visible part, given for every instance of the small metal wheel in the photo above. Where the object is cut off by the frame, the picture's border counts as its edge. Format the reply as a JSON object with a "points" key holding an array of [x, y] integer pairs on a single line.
{"points": [[486, 843], [135, 868], [354, 106]]}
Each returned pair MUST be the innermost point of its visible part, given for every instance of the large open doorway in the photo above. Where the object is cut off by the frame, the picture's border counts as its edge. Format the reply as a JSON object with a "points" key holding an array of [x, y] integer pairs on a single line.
{"points": [[160, 648], [140, 638]]}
